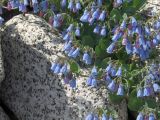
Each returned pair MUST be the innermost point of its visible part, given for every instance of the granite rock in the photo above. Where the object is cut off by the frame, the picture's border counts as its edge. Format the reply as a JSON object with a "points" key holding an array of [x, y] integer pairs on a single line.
{"points": [[30, 90], [3, 115]]}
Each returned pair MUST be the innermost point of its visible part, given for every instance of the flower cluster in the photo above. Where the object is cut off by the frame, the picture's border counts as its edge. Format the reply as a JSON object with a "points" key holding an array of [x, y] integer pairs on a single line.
{"points": [[112, 85], [118, 3], [63, 68], [151, 83], [136, 38], [92, 79], [71, 50], [104, 116], [57, 68], [149, 116]]}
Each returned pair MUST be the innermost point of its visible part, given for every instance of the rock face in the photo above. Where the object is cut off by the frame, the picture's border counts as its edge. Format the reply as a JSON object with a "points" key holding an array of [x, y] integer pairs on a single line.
{"points": [[3, 116], [30, 90], [1, 64]]}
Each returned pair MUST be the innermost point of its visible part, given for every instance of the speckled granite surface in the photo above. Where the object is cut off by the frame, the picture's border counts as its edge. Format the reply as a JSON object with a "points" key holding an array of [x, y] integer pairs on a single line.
{"points": [[3, 115], [30, 90], [1, 64]]}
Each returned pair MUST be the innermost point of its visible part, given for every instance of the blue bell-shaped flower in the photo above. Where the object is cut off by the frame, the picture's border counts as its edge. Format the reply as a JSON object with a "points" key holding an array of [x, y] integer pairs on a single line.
{"points": [[147, 30], [67, 46], [111, 48], [146, 91], [91, 21], [66, 37], [140, 116], [85, 17], [34, 2], [72, 83], [89, 116], [139, 92], [108, 69], [113, 72], [95, 117], [96, 29], [71, 51], [53, 66], [26, 2], [75, 53], [96, 13], [94, 71], [103, 31], [119, 72], [116, 37], [99, 3], [23, 8], [78, 5], [128, 48], [71, 5], [112, 86], [86, 58], [70, 28], [134, 22], [104, 117], [102, 16], [35, 8], [110, 117], [44, 5], [77, 32], [57, 69], [63, 70], [63, 4], [89, 81], [123, 25], [151, 116], [94, 82], [120, 90], [156, 87]]}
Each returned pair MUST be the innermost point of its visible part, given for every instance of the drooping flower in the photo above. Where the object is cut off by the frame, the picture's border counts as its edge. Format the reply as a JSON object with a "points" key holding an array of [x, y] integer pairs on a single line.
{"points": [[63, 4], [77, 32], [156, 87], [112, 86], [70, 28], [71, 5], [57, 69], [140, 92], [147, 91], [71, 51], [95, 117], [111, 48], [94, 82], [119, 72], [90, 116], [94, 71], [72, 83], [133, 22], [140, 117], [151, 116], [102, 16], [75, 53], [120, 90], [86, 58], [89, 81], [26, 2], [123, 25], [103, 31], [97, 29], [78, 5], [104, 117], [96, 14], [63, 70], [53, 66], [67, 37]]}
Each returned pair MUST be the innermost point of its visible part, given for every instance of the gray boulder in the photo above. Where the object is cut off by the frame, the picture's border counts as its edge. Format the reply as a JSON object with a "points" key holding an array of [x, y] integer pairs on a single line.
{"points": [[30, 90]]}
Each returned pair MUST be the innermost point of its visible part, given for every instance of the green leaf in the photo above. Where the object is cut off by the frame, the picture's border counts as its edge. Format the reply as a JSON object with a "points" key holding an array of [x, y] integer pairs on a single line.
{"points": [[115, 98], [88, 41], [134, 103], [115, 14], [74, 67], [138, 3]]}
